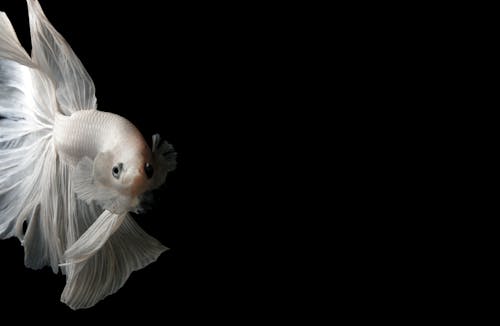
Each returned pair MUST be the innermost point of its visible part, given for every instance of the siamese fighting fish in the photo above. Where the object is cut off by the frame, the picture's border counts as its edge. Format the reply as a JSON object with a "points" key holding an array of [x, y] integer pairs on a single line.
{"points": [[71, 174]]}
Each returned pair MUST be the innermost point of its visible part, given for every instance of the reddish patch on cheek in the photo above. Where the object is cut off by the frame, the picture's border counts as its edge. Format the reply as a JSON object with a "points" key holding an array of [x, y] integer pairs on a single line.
{"points": [[138, 186]]}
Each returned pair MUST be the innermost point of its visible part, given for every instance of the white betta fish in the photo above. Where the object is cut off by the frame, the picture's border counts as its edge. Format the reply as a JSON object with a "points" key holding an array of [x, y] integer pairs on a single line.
{"points": [[70, 172]]}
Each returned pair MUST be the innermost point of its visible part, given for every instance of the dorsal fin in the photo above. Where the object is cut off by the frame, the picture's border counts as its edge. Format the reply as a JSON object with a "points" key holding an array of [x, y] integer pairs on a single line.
{"points": [[50, 51]]}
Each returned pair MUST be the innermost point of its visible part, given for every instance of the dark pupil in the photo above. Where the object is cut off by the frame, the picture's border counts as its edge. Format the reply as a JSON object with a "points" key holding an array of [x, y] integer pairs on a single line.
{"points": [[116, 170], [148, 169]]}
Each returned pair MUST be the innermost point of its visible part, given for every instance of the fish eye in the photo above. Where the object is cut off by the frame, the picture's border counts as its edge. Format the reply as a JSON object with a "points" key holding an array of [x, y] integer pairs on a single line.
{"points": [[148, 168], [117, 169]]}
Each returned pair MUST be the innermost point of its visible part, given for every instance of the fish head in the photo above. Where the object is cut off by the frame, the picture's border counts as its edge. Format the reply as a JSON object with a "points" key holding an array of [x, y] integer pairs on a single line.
{"points": [[120, 177]]}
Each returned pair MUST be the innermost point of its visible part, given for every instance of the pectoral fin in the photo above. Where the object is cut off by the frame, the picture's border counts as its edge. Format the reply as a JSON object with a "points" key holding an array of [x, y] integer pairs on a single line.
{"points": [[165, 160]]}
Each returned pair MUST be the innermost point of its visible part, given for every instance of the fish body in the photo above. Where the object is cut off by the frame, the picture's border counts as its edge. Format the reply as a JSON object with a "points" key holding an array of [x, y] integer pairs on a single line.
{"points": [[70, 172], [89, 132]]}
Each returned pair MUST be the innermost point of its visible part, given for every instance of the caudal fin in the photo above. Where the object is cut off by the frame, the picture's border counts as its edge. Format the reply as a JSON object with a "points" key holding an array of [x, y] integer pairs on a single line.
{"points": [[25, 130]]}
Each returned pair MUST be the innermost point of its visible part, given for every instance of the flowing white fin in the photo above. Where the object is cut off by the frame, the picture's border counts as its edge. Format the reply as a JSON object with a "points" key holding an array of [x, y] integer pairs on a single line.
{"points": [[94, 238], [10, 48], [105, 271], [25, 132], [74, 88], [44, 241], [128, 249]]}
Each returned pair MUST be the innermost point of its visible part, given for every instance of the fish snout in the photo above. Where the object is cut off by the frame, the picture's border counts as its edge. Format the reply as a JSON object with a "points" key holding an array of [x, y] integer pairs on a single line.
{"points": [[139, 184]]}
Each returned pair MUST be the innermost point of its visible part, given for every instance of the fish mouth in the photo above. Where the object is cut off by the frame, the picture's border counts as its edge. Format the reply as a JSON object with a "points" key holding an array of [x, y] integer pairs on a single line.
{"points": [[146, 201]]}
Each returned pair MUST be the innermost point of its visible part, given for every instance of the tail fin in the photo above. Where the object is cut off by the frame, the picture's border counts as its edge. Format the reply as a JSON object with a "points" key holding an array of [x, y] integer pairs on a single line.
{"points": [[33, 182], [25, 128], [27, 155], [10, 48]]}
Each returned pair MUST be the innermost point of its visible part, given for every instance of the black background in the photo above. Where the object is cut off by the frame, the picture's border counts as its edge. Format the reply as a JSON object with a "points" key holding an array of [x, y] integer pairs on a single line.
{"points": [[168, 68]]}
